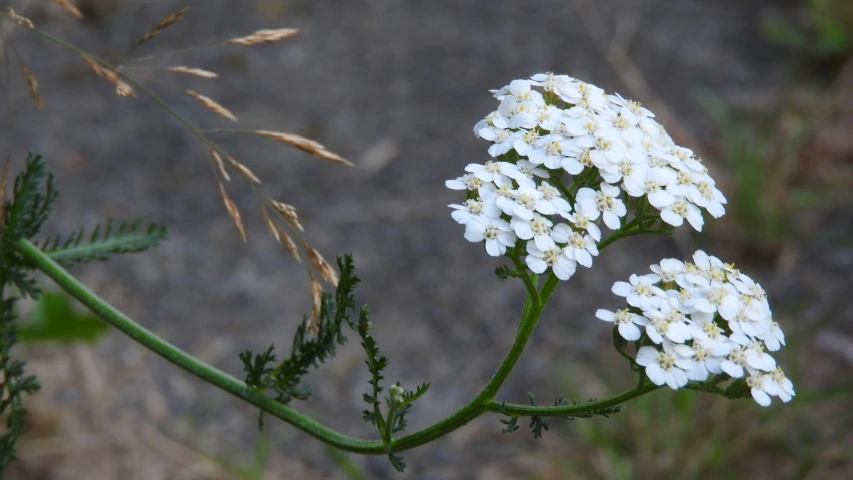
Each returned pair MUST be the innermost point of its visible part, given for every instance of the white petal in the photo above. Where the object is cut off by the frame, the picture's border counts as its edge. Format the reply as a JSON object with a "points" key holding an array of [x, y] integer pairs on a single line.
{"points": [[629, 331]]}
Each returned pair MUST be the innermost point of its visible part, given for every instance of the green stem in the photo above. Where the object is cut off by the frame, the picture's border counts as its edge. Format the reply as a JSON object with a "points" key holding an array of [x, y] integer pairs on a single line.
{"points": [[479, 404], [189, 363], [529, 284], [520, 410]]}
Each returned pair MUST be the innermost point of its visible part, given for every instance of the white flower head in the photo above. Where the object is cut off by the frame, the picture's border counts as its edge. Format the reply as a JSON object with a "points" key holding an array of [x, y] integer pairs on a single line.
{"points": [[712, 320]]}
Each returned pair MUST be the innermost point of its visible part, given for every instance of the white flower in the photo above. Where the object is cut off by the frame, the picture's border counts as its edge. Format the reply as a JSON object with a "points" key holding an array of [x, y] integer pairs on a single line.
{"points": [[664, 367], [490, 172], [626, 322], [762, 388], [537, 228], [548, 150], [523, 172], [735, 362], [656, 179], [775, 337], [585, 214], [551, 203], [465, 182], [669, 269], [473, 209], [581, 248], [496, 232], [708, 355], [706, 195], [539, 260], [786, 388], [607, 202], [641, 292], [680, 209]]}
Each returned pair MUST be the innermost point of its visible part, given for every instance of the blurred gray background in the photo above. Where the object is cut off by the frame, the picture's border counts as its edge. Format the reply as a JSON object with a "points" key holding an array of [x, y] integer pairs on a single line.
{"points": [[396, 87]]}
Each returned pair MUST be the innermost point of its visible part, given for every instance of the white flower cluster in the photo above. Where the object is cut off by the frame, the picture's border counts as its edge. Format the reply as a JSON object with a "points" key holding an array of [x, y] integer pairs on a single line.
{"points": [[608, 145], [704, 318]]}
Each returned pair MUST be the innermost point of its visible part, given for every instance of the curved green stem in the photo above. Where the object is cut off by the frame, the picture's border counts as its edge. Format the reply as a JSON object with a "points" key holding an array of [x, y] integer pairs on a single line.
{"points": [[189, 363], [483, 402], [520, 410]]}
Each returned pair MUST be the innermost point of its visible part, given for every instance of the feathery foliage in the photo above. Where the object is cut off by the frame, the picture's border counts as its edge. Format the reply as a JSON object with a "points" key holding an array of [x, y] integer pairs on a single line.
{"points": [[310, 347], [102, 243], [32, 198]]}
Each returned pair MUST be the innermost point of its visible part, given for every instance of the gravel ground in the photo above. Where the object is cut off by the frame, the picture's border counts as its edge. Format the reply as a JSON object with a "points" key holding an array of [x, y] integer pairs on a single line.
{"points": [[395, 87]]}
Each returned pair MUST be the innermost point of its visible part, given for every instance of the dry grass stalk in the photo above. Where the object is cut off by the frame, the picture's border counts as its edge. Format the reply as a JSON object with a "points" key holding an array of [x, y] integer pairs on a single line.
{"points": [[304, 144], [33, 85], [264, 36], [198, 72], [232, 211], [273, 228], [288, 212], [321, 265], [211, 104], [244, 170], [219, 164], [19, 19], [69, 7], [317, 304], [123, 89], [173, 18], [289, 244]]}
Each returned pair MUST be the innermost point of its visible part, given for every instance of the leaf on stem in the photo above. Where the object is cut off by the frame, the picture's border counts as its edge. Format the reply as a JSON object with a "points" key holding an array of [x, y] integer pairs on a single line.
{"points": [[103, 243]]}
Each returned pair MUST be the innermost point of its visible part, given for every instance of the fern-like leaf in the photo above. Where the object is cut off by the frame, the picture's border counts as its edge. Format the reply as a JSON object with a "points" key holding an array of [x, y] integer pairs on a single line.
{"points": [[102, 243]]}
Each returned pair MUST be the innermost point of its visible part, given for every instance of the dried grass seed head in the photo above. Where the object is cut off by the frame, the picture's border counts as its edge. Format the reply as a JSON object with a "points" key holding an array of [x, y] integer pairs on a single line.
{"points": [[211, 104], [264, 36]]}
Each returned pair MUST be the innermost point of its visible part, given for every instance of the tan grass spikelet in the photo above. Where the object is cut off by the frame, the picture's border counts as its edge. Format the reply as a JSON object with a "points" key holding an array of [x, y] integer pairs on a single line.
{"points": [[232, 211], [123, 89], [264, 36], [100, 71], [273, 228], [171, 19], [244, 170], [69, 7], [211, 104], [321, 265], [289, 244], [288, 212], [33, 85], [198, 72], [219, 164], [304, 144], [316, 305], [19, 19]]}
